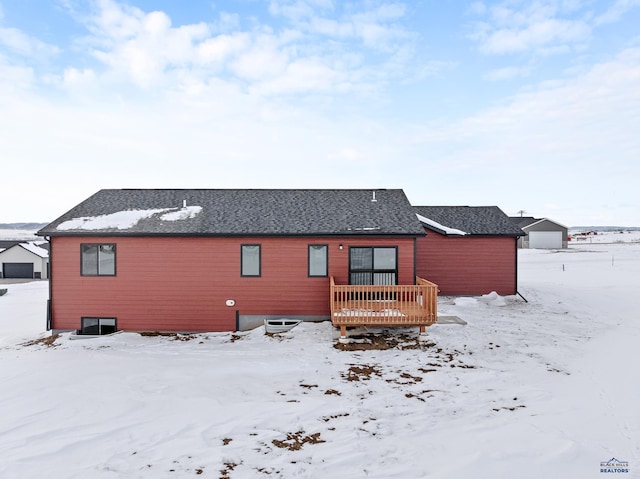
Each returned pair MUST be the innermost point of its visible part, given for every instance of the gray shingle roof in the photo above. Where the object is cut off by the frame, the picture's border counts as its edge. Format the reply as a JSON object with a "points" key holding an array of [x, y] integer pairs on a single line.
{"points": [[523, 221], [6, 244], [474, 220], [243, 212], [527, 221]]}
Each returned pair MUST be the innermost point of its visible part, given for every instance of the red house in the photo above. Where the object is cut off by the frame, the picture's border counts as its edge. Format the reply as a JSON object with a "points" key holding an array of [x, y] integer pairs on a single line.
{"points": [[468, 250], [223, 260]]}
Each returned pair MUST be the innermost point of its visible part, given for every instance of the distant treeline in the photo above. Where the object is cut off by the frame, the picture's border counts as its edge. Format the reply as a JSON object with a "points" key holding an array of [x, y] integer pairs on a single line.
{"points": [[22, 226], [605, 228]]}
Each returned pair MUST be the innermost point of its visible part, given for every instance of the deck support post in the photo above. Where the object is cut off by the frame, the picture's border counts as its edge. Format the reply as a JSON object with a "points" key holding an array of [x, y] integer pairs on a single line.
{"points": [[343, 335], [423, 336]]}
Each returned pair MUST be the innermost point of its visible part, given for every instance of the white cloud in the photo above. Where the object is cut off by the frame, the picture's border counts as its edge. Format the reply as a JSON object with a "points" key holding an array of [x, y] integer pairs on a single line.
{"points": [[544, 26], [306, 75], [23, 44], [146, 50], [196, 106], [297, 10], [616, 11], [265, 58], [507, 73], [537, 35], [562, 137], [543, 33], [14, 78], [143, 47], [376, 26], [217, 50], [347, 154]]}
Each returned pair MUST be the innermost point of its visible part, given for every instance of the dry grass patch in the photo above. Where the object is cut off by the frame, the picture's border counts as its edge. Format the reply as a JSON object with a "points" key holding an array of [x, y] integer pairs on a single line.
{"points": [[295, 440], [361, 372], [48, 341], [228, 467], [382, 341], [174, 336]]}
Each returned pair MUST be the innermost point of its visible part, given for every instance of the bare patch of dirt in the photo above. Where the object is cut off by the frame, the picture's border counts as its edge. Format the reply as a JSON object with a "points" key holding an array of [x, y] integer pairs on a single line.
{"points": [[48, 341], [430, 370], [226, 441], [335, 416], [509, 408], [174, 336], [330, 392], [381, 342], [361, 372], [228, 467], [497, 409], [463, 366], [415, 379], [296, 440], [270, 471], [404, 379], [411, 395]]}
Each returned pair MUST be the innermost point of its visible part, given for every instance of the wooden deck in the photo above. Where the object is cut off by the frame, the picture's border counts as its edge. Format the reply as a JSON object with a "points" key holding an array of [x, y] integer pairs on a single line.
{"points": [[398, 305]]}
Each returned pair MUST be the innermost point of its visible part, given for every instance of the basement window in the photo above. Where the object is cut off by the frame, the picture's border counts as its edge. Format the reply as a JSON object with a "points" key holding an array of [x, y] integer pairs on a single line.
{"points": [[98, 326]]}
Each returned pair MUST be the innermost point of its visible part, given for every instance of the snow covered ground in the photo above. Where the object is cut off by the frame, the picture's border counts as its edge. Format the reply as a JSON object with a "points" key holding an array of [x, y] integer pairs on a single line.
{"points": [[547, 388], [620, 236], [18, 235]]}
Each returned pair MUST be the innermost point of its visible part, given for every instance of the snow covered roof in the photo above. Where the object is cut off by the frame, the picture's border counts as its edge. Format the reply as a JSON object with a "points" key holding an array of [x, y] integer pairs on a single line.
{"points": [[35, 249], [538, 221], [32, 247], [467, 220], [123, 220], [221, 212], [437, 226]]}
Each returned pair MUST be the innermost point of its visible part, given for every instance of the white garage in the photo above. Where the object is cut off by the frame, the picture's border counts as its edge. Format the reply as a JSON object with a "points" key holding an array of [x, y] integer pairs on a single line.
{"points": [[541, 233], [24, 260], [545, 239]]}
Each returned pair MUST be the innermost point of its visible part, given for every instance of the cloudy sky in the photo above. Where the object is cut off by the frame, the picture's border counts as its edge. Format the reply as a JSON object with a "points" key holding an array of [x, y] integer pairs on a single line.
{"points": [[528, 105]]}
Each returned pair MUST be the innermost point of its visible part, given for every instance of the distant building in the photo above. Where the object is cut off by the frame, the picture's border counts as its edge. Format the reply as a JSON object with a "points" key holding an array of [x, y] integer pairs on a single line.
{"points": [[27, 260], [541, 233]]}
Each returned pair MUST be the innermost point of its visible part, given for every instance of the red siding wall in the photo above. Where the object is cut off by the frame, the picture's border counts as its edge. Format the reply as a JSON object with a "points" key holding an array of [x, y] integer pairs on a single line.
{"points": [[469, 265], [182, 284]]}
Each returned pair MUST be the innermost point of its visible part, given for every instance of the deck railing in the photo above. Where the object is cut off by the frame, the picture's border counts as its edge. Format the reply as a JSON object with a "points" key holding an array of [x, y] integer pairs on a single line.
{"points": [[398, 305]]}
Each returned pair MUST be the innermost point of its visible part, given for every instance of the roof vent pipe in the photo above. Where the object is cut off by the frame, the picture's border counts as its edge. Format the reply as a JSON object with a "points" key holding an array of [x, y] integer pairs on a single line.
{"points": [[373, 199], [184, 203]]}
